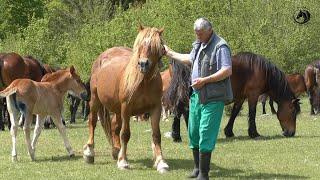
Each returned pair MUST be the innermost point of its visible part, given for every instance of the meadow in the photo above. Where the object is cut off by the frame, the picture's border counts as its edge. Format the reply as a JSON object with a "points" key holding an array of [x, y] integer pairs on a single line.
{"points": [[271, 157]]}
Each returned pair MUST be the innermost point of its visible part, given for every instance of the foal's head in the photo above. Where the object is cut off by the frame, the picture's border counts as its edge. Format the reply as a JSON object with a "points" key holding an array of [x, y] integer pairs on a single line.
{"points": [[75, 85]]}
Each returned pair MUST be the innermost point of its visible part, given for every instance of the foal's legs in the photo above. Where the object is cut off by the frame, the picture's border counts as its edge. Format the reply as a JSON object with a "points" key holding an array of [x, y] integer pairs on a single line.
{"points": [[37, 131], [228, 130], [58, 122], [159, 163], [26, 128], [14, 114]]}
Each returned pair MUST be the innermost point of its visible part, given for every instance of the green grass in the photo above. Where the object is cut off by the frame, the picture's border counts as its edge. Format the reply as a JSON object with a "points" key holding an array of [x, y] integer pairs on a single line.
{"points": [[272, 157]]}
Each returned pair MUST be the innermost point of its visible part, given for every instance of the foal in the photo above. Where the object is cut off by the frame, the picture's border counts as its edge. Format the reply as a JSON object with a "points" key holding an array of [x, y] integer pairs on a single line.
{"points": [[28, 97]]}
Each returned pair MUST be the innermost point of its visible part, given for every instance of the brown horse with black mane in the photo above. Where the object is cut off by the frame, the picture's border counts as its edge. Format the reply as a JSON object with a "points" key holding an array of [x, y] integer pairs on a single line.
{"points": [[253, 75], [312, 79], [127, 82], [13, 66]]}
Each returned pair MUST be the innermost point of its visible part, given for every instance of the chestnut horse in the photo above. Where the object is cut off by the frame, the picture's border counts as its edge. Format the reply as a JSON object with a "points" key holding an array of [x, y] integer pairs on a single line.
{"points": [[297, 85], [127, 82], [312, 79], [166, 79], [28, 97], [253, 75]]}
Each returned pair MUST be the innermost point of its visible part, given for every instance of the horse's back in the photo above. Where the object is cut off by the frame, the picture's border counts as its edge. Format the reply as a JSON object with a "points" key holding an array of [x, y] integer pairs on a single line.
{"points": [[246, 76], [296, 83], [112, 54]]}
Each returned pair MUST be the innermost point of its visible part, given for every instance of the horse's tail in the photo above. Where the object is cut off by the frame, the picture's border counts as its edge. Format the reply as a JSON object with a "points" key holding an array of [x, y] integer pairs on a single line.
{"points": [[106, 123], [7, 92]]}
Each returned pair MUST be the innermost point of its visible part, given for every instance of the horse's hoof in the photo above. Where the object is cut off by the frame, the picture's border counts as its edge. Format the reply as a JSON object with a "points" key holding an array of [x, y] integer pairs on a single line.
{"points": [[88, 159], [115, 152], [162, 167], [177, 140], [14, 158], [72, 155], [228, 133], [254, 135], [123, 165]]}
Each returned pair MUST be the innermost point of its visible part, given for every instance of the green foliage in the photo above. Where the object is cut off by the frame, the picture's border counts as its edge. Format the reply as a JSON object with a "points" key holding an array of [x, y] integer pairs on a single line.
{"points": [[17, 14], [76, 31]]}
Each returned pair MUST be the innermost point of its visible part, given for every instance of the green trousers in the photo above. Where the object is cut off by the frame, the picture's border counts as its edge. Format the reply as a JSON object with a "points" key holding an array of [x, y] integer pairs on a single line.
{"points": [[204, 123]]}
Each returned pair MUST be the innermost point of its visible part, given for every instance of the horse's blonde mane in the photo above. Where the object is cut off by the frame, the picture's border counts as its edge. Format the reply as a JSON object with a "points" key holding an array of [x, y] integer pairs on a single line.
{"points": [[132, 75]]}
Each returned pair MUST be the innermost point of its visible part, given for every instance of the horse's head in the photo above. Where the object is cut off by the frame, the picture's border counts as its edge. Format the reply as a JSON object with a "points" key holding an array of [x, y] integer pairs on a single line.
{"points": [[148, 48], [76, 86], [287, 115]]}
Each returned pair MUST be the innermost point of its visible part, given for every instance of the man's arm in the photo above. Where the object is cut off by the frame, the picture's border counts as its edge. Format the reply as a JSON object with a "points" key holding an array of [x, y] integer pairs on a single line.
{"points": [[225, 71], [184, 58]]}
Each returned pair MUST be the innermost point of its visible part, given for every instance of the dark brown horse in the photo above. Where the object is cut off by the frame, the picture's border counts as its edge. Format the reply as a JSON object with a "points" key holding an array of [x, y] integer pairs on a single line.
{"points": [[13, 66], [312, 79], [297, 85], [127, 82], [253, 75]]}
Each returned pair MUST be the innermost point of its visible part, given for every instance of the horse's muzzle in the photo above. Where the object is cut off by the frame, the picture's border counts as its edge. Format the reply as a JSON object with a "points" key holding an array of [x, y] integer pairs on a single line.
{"points": [[84, 96], [287, 133], [144, 66]]}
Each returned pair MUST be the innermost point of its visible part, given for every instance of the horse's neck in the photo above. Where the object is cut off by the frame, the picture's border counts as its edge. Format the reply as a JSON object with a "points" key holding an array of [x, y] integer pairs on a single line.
{"points": [[60, 86]]}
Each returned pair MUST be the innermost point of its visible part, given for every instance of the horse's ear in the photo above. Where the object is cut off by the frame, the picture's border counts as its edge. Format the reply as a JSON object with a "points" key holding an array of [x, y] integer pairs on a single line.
{"points": [[72, 70], [140, 27], [161, 31]]}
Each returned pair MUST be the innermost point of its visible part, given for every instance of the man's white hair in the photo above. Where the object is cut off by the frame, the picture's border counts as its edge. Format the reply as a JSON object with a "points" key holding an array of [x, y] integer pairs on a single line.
{"points": [[202, 24]]}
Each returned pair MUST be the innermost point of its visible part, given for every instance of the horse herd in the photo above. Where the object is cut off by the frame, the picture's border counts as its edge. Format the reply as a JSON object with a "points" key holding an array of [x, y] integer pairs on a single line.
{"points": [[126, 82]]}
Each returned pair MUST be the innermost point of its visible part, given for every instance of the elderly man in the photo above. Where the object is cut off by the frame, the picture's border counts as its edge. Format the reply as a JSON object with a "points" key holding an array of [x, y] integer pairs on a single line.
{"points": [[211, 68]]}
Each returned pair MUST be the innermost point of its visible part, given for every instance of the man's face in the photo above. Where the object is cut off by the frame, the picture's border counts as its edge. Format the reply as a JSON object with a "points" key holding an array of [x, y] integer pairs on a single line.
{"points": [[203, 35]]}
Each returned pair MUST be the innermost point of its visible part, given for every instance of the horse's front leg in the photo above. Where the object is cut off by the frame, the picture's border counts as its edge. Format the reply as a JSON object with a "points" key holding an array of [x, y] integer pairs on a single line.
{"points": [[57, 118], [124, 139], [252, 131], [228, 130], [37, 131], [159, 163]]}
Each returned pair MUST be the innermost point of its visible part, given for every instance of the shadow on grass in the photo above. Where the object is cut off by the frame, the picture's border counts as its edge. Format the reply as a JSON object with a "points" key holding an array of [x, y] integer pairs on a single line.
{"points": [[217, 171], [247, 138], [59, 158], [263, 138], [220, 172]]}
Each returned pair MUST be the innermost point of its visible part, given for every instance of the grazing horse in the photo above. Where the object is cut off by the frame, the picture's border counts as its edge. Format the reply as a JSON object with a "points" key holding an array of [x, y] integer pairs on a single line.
{"points": [[297, 85], [253, 75], [176, 97], [13, 66], [127, 82], [312, 79], [28, 97]]}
